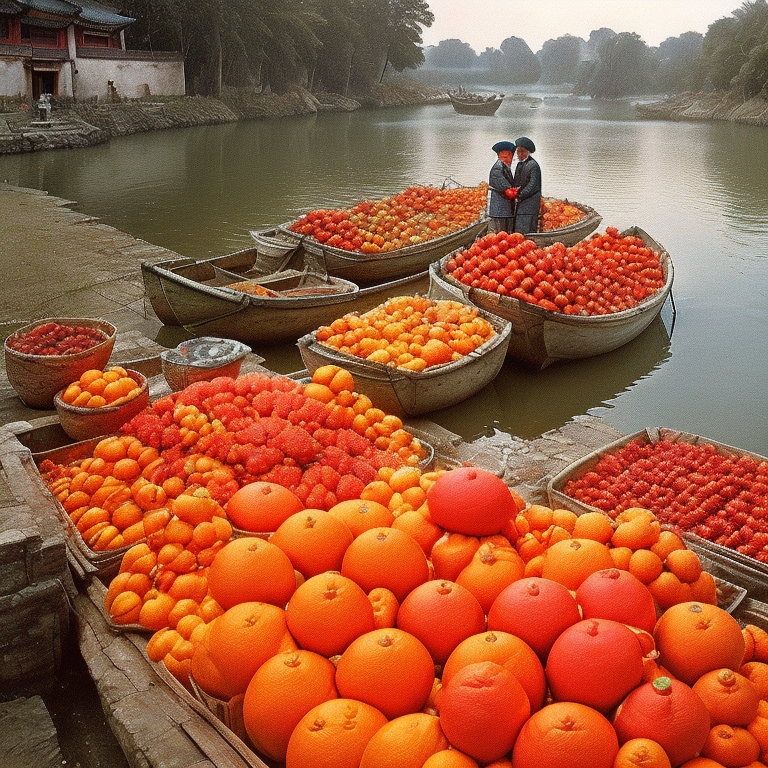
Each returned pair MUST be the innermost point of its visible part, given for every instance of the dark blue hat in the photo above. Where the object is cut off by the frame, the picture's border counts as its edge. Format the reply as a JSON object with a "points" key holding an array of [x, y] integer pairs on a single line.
{"points": [[526, 143], [499, 146]]}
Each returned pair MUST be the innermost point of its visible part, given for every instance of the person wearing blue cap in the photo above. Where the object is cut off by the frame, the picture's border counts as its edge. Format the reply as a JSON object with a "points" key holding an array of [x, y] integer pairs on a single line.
{"points": [[527, 181], [501, 183]]}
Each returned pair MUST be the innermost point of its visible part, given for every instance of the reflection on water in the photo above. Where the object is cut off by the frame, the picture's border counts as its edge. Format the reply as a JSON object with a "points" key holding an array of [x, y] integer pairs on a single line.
{"points": [[528, 403], [698, 188]]}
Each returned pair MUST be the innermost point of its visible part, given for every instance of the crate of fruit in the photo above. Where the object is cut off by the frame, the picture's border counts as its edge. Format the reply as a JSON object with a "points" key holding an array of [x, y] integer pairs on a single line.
{"points": [[714, 493]]}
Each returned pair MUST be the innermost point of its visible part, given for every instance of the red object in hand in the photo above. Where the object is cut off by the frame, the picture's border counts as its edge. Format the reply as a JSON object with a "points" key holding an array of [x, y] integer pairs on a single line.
{"points": [[511, 193]]}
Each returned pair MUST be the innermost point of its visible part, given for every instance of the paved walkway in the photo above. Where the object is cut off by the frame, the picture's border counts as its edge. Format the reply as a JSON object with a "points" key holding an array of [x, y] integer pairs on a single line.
{"points": [[57, 262]]}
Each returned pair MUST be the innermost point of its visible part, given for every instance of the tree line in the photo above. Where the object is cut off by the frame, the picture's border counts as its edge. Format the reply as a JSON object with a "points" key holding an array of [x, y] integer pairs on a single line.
{"points": [[347, 46], [340, 46], [733, 55]]}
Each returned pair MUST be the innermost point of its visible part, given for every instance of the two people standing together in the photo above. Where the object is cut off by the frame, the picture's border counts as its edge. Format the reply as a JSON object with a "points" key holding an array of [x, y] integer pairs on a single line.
{"points": [[515, 197]]}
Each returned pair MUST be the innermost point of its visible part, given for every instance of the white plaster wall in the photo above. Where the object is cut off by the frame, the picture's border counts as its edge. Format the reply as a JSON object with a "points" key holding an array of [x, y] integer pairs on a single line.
{"points": [[131, 78], [12, 78]]}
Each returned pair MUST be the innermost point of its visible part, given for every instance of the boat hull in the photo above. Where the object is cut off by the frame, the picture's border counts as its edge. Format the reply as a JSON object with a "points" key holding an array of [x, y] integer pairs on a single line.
{"points": [[184, 293], [368, 268], [413, 393], [541, 337], [475, 107]]}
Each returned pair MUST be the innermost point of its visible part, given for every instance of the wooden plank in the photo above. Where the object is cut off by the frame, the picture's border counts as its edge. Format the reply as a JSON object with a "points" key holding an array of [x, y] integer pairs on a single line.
{"points": [[154, 727], [28, 736]]}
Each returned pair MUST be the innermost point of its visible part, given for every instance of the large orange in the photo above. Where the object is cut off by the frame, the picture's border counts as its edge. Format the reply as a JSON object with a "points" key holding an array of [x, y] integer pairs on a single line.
{"points": [[596, 662], [570, 561], [361, 515], [505, 649], [405, 742], [327, 612], [731, 698], [642, 753], [472, 501], [731, 746], [333, 734], [450, 758], [668, 712], [261, 507], [389, 669], [694, 638], [451, 553], [618, 595], [566, 734], [251, 569], [314, 540], [492, 568], [482, 709], [537, 610], [441, 614], [243, 638], [283, 689], [386, 557]]}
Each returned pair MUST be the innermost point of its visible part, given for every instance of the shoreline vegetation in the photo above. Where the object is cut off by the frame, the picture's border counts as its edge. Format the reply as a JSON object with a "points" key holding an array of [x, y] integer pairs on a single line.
{"points": [[74, 124]]}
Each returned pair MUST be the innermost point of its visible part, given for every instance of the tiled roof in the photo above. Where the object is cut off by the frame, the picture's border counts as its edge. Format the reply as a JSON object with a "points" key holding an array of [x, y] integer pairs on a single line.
{"points": [[100, 14], [10, 8], [89, 12]]}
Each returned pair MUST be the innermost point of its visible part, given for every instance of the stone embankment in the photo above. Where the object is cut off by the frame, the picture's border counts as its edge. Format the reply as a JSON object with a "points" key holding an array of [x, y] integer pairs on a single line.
{"points": [[74, 124], [709, 106]]}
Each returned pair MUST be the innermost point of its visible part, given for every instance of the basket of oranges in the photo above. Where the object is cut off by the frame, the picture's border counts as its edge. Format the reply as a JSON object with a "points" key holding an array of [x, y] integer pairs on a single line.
{"points": [[100, 402]]}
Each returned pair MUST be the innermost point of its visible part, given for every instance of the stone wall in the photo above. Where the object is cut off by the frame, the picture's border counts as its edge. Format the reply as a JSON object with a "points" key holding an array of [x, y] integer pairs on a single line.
{"points": [[84, 123]]}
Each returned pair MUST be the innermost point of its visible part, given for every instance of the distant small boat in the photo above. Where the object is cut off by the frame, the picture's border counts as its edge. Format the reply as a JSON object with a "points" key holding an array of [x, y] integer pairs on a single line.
{"points": [[475, 103]]}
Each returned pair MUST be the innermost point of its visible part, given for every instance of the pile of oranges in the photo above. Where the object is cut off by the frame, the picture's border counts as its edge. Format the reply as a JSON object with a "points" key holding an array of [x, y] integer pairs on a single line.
{"points": [[95, 388], [436, 633], [415, 215], [410, 332], [555, 214]]}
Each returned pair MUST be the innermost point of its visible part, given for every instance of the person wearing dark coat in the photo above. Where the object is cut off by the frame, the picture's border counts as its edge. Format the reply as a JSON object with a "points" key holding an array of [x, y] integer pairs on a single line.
{"points": [[501, 183], [527, 180]]}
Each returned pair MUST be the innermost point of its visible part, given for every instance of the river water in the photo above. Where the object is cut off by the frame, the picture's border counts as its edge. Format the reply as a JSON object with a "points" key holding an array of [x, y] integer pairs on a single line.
{"points": [[698, 188]]}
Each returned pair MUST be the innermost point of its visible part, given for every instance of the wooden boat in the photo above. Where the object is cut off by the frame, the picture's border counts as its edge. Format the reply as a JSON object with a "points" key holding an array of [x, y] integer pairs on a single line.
{"points": [[274, 248], [475, 104], [572, 233], [364, 268], [259, 309], [412, 393], [541, 337]]}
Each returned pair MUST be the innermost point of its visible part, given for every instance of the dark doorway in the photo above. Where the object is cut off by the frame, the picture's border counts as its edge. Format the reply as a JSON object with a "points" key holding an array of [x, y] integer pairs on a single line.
{"points": [[43, 82]]}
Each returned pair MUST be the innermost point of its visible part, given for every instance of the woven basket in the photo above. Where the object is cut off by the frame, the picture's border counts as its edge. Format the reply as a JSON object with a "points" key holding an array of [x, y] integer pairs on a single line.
{"points": [[37, 378], [84, 423]]}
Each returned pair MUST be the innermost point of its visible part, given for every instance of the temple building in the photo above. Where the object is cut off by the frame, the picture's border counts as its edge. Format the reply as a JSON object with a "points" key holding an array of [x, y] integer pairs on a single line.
{"points": [[77, 49]]}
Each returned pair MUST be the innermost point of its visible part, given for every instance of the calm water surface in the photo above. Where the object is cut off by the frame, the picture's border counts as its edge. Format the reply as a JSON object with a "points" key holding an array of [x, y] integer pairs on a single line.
{"points": [[700, 189]]}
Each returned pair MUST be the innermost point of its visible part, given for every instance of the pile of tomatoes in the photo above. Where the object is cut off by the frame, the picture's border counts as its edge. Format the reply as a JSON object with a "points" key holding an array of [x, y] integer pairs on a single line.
{"points": [[56, 339], [604, 274], [722, 498], [418, 214]]}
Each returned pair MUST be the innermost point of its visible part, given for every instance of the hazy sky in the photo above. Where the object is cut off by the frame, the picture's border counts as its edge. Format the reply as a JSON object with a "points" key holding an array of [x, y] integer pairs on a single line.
{"points": [[486, 23]]}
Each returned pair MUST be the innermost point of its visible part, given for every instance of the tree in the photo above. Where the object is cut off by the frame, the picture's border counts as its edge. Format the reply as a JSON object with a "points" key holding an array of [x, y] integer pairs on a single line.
{"points": [[452, 54], [625, 67], [559, 60], [680, 63], [517, 63]]}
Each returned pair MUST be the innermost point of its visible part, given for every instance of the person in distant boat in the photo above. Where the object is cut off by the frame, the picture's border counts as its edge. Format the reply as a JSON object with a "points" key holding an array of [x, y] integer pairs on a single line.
{"points": [[527, 181], [503, 192]]}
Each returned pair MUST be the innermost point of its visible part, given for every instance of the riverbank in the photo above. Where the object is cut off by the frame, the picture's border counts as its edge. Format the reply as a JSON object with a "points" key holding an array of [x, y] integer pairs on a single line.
{"points": [[75, 125], [719, 105]]}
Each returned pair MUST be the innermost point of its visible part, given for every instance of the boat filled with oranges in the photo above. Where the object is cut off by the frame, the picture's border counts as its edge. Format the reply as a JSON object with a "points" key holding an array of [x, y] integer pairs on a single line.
{"points": [[564, 302]]}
